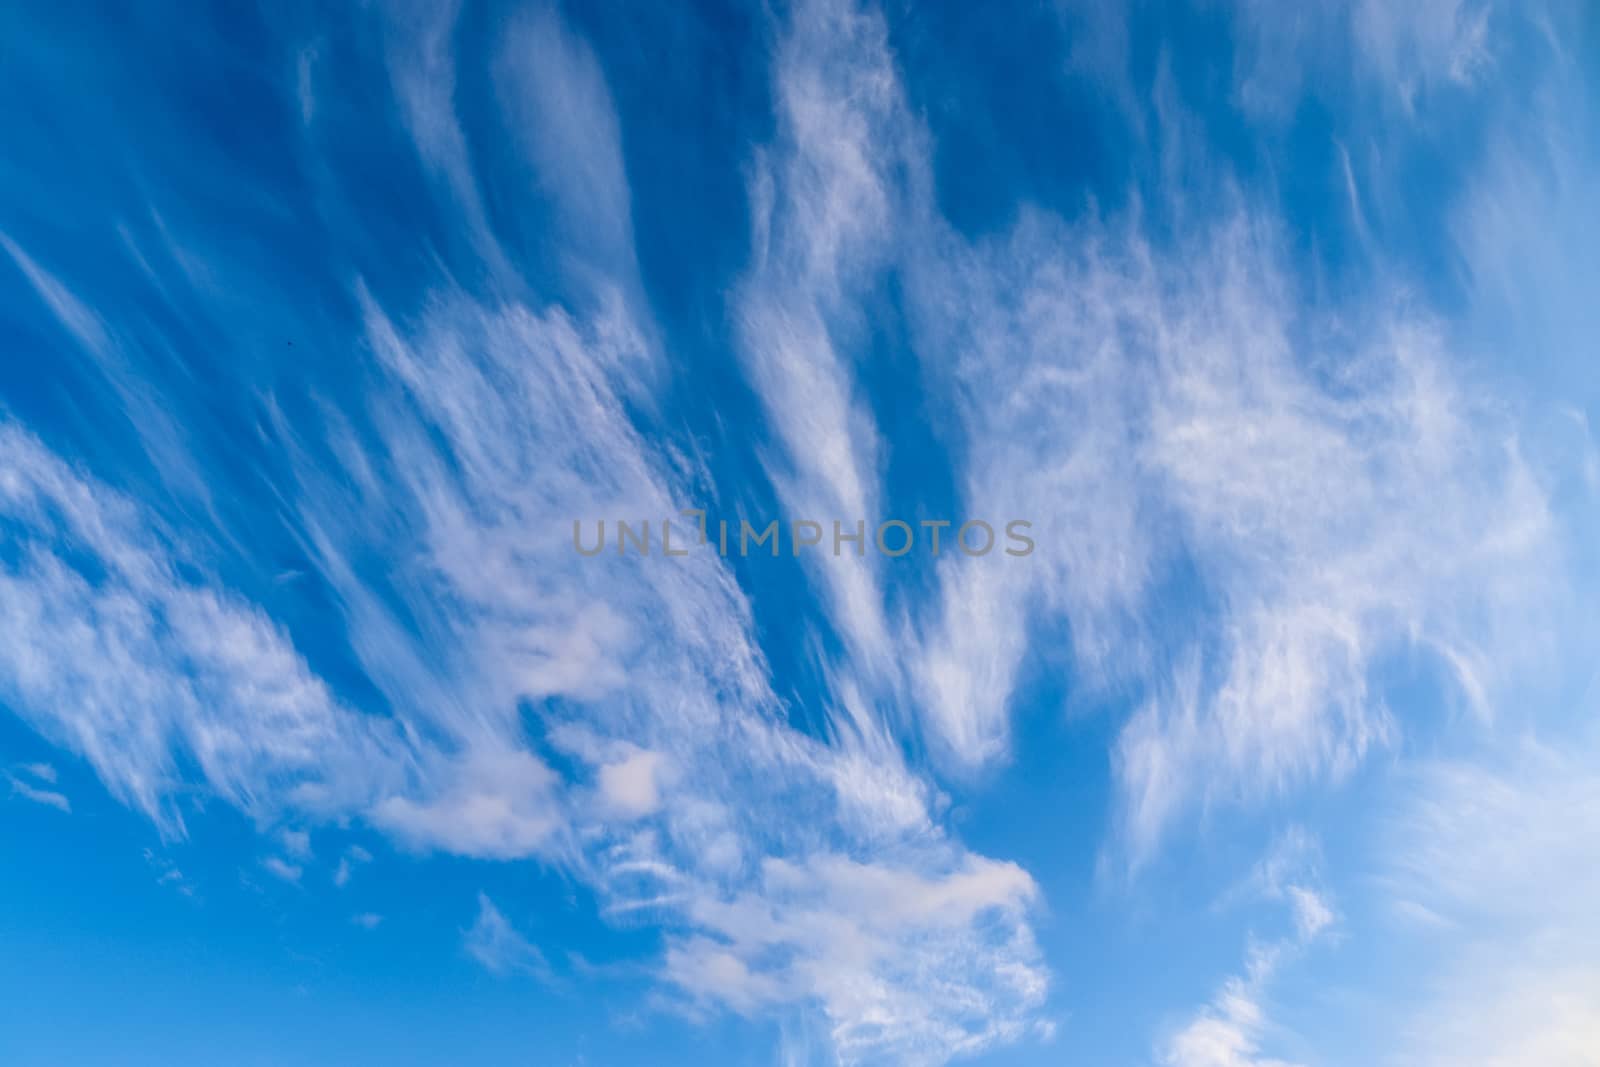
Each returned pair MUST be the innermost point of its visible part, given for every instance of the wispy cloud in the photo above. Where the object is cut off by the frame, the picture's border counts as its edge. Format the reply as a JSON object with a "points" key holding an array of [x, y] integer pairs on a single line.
{"points": [[838, 930], [1336, 513], [650, 679], [73, 315], [305, 81], [41, 775], [559, 109], [423, 73], [353, 855], [167, 872], [1490, 869], [1231, 1030], [281, 868], [824, 202], [44, 772], [497, 423], [132, 663], [162, 437], [1400, 54], [296, 843], [496, 944], [1165, 411], [1246, 497]]}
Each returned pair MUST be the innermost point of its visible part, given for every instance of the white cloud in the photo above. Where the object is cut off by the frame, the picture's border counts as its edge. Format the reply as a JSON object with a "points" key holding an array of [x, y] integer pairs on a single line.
{"points": [[38, 794], [1333, 488], [559, 107], [73, 315], [1423, 45], [279, 867], [1501, 856], [418, 37], [1231, 1030], [1029, 341], [296, 843], [1507, 1013], [352, 855], [44, 772], [1329, 486], [162, 437], [1336, 514], [695, 781], [367, 920], [167, 873], [495, 804], [498, 423], [1330, 481], [1403, 52], [140, 663], [495, 943], [1227, 1033], [838, 930], [629, 785], [823, 215]]}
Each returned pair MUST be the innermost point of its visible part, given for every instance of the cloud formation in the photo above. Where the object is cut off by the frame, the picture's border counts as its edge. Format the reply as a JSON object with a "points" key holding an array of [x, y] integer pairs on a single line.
{"points": [[1231, 1030], [1256, 485]]}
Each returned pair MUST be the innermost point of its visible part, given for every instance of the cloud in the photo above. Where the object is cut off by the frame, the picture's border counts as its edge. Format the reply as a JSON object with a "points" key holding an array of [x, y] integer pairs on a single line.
{"points": [[41, 772], [1329, 481], [1509, 1014], [282, 868], [109, 648], [1443, 41], [1242, 503], [352, 855], [1166, 412], [494, 943], [497, 805], [1491, 866], [163, 438], [305, 72], [1303, 504], [418, 38], [559, 108], [837, 930], [1481, 942], [823, 211], [73, 315], [1029, 342], [491, 423], [367, 920], [646, 676], [629, 785], [497, 422], [1325, 483], [1398, 54], [168, 873], [44, 772], [296, 843], [1232, 1028], [1228, 1032]]}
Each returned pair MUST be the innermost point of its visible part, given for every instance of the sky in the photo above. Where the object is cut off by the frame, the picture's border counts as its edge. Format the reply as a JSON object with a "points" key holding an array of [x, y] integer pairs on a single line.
{"points": [[330, 336]]}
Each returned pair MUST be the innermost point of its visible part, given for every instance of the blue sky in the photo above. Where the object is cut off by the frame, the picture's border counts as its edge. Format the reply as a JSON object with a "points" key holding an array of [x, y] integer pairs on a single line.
{"points": [[321, 326]]}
